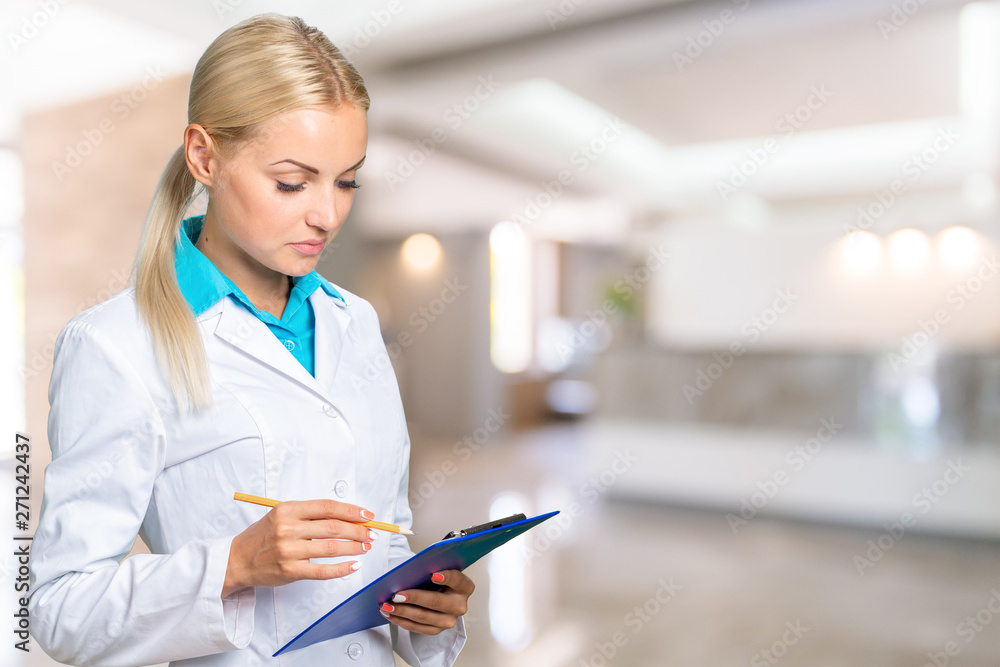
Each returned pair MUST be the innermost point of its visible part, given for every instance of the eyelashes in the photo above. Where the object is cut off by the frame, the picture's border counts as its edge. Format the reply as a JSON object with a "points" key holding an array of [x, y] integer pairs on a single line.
{"points": [[345, 185], [285, 187]]}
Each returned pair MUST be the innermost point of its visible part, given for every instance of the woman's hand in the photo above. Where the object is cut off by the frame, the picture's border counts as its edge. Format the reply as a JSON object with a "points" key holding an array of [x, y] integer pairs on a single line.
{"points": [[276, 549], [430, 612]]}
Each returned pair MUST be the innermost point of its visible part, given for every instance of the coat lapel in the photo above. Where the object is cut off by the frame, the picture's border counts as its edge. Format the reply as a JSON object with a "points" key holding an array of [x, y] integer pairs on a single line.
{"points": [[332, 321], [238, 327]]}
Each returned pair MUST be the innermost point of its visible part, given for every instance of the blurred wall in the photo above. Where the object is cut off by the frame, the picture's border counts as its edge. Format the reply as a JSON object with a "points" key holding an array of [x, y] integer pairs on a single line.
{"points": [[792, 288], [436, 327]]}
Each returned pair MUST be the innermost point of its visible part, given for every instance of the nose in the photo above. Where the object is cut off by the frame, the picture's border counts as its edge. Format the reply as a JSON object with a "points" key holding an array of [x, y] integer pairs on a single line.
{"points": [[324, 214]]}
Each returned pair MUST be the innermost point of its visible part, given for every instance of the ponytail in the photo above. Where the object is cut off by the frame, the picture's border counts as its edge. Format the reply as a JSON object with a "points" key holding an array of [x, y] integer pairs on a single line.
{"points": [[176, 337]]}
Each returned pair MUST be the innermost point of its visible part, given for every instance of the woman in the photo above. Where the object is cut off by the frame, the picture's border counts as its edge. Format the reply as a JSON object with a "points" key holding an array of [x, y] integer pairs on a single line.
{"points": [[233, 366]]}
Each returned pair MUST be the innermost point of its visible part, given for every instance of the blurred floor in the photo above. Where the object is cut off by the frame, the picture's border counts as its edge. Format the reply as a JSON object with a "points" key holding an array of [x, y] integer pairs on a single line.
{"points": [[652, 585], [663, 586]]}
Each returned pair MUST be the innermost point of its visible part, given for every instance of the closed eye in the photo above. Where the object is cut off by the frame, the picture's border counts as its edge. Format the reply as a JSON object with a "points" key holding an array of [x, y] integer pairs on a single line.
{"points": [[347, 185], [285, 187]]}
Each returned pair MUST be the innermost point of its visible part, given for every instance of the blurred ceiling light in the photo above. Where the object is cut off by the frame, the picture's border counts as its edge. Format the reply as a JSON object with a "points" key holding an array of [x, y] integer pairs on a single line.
{"points": [[510, 298], [909, 250], [861, 252], [958, 248], [979, 55], [421, 251], [979, 189]]}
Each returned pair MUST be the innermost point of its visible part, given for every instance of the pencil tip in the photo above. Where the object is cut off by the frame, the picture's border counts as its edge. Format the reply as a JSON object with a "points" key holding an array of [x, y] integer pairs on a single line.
{"points": [[406, 531]]}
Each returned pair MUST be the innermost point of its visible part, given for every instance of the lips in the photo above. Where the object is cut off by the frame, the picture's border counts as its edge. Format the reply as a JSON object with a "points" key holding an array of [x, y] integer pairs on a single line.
{"points": [[308, 247]]}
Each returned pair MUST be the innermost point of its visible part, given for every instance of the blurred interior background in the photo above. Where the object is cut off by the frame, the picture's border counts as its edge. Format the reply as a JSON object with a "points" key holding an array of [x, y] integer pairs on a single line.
{"points": [[716, 279]]}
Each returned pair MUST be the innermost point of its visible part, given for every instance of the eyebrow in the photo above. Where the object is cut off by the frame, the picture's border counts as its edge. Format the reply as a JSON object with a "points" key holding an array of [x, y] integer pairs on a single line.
{"points": [[314, 169]]}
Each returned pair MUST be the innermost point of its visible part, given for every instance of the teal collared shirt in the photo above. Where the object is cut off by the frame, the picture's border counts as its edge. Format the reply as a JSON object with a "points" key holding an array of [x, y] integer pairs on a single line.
{"points": [[202, 284]]}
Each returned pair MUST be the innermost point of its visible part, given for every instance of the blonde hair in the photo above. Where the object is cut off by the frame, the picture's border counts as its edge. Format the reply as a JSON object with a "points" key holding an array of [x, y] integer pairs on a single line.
{"points": [[254, 71]]}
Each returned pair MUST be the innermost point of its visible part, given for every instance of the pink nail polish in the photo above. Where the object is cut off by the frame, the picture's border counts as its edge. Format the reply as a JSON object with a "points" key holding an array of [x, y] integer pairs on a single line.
{"points": [[367, 515], [437, 578], [366, 546], [387, 607]]}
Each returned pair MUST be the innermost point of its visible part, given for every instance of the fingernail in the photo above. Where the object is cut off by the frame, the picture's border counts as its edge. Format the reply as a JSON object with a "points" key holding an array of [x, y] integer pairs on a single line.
{"points": [[387, 607], [368, 515], [371, 534], [383, 613], [437, 577], [399, 597], [366, 546], [355, 566]]}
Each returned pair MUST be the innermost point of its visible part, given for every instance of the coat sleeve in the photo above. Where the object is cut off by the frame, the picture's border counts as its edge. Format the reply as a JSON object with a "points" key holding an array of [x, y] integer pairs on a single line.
{"points": [[88, 606], [417, 650]]}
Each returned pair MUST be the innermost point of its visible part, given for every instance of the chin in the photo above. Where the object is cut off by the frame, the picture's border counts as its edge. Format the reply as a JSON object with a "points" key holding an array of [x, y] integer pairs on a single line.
{"points": [[301, 267]]}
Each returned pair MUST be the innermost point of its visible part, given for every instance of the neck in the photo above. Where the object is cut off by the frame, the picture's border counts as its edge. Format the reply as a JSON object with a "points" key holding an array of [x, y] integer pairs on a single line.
{"points": [[266, 289]]}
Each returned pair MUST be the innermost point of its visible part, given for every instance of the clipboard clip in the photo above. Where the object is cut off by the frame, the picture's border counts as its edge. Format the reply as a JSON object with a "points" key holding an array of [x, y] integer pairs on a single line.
{"points": [[485, 526]]}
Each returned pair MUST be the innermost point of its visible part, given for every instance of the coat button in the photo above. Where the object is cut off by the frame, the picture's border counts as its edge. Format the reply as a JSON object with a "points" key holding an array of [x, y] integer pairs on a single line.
{"points": [[289, 345], [329, 411], [340, 488], [355, 651]]}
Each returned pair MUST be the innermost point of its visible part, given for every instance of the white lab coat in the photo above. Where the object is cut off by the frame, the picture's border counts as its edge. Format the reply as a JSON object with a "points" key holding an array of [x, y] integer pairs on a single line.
{"points": [[124, 462]]}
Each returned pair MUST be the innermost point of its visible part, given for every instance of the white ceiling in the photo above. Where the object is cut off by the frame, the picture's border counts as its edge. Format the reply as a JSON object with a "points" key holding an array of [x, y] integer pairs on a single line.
{"points": [[889, 96], [558, 83], [761, 66]]}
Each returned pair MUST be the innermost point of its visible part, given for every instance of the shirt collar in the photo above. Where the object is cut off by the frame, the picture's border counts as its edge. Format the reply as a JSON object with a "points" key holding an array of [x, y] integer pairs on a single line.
{"points": [[201, 282]]}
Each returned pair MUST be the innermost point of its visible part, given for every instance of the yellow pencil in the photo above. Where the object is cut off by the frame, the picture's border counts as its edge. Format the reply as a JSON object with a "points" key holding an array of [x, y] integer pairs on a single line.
{"points": [[267, 502]]}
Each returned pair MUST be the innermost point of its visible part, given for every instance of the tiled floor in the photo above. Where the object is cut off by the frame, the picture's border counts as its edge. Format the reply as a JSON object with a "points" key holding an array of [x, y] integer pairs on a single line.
{"points": [[654, 586]]}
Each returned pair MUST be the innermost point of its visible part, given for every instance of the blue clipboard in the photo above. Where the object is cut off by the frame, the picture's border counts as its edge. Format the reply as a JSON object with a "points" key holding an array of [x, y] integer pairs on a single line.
{"points": [[360, 611]]}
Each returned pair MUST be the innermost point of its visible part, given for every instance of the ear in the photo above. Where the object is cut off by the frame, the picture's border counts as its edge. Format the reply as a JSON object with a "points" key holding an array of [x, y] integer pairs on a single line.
{"points": [[199, 154]]}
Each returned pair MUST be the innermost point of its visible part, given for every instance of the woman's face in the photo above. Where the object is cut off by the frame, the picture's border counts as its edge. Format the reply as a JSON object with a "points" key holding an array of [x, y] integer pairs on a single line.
{"points": [[276, 205]]}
